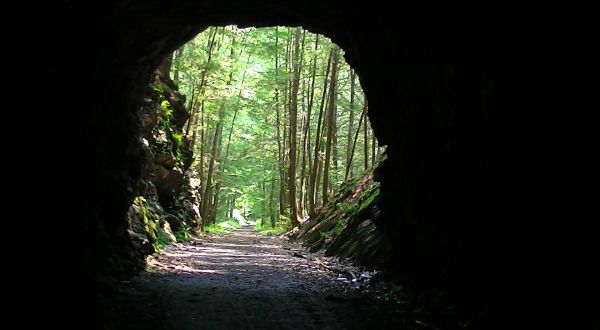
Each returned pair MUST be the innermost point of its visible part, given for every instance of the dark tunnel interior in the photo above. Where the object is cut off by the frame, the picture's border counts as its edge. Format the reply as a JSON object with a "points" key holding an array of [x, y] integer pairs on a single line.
{"points": [[458, 200]]}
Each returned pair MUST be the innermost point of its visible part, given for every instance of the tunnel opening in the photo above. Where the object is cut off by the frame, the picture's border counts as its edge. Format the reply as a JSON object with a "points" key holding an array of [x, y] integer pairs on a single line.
{"points": [[432, 95], [248, 89], [226, 158], [414, 96]]}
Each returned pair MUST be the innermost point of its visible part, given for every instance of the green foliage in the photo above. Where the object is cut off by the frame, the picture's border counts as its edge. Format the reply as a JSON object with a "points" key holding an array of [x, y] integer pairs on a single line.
{"points": [[183, 235], [264, 227], [245, 84], [340, 225], [177, 140], [177, 137], [222, 227], [215, 229], [162, 240], [158, 89], [272, 231], [347, 207], [167, 110], [369, 196]]}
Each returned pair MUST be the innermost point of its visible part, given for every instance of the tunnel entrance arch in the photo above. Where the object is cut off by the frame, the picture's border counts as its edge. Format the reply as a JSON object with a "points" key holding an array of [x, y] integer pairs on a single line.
{"points": [[428, 101]]}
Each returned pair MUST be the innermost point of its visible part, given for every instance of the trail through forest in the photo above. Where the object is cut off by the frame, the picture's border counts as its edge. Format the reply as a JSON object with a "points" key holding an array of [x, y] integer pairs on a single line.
{"points": [[245, 280]]}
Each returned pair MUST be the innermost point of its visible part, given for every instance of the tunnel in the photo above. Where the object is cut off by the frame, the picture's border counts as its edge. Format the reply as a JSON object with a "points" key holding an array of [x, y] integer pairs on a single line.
{"points": [[434, 90]]}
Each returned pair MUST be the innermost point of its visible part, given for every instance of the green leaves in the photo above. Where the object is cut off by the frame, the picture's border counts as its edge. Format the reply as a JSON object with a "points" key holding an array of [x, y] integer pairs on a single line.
{"points": [[166, 107], [240, 77]]}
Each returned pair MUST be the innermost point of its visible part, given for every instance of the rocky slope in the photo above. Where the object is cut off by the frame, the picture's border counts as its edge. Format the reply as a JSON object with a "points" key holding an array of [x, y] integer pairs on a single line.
{"points": [[165, 206], [346, 226]]}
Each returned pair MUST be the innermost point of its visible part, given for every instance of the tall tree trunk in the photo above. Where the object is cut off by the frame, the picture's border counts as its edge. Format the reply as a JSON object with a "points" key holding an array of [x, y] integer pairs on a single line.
{"points": [[362, 116], [271, 213], [280, 149], [206, 205], [177, 61], [203, 76], [366, 139], [334, 149], [224, 160], [316, 158], [197, 126], [203, 139], [293, 127], [373, 148], [307, 138], [190, 105], [215, 205], [319, 177], [302, 150], [330, 122], [349, 147]]}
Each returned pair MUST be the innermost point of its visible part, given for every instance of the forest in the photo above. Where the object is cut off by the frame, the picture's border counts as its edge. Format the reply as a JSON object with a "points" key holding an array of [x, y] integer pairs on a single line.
{"points": [[278, 120]]}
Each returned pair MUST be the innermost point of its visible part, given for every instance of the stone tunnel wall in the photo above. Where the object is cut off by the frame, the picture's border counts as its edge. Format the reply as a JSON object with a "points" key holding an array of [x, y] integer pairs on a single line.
{"points": [[432, 89]]}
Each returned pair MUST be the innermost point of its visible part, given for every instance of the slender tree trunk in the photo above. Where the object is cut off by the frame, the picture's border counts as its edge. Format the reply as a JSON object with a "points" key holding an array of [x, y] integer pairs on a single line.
{"points": [[334, 149], [308, 117], [280, 149], [232, 127], [302, 151], [203, 139], [373, 147], [271, 213], [215, 206], [177, 60], [366, 139], [193, 97], [316, 158], [349, 147], [319, 178], [293, 127], [207, 207], [330, 122], [362, 116], [202, 79], [205, 210]]}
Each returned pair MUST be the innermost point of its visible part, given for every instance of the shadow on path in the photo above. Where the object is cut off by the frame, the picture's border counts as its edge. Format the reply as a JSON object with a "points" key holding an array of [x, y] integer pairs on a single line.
{"points": [[241, 280]]}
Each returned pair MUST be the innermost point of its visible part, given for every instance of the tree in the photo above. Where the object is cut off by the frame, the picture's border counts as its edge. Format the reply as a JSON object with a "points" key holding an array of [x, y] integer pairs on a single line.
{"points": [[293, 127], [319, 131], [273, 129], [349, 146], [330, 121]]}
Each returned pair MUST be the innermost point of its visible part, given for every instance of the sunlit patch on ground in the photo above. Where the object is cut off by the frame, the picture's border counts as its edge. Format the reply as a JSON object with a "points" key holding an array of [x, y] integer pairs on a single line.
{"points": [[244, 280]]}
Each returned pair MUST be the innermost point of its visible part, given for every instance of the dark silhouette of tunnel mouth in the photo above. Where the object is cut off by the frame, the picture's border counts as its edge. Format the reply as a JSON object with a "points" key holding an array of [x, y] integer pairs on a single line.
{"points": [[148, 34], [429, 103], [434, 90]]}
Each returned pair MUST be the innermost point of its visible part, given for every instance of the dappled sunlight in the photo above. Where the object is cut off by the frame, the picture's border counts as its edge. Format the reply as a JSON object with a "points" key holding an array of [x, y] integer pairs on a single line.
{"points": [[262, 246], [225, 279], [244, 259], [216, 251]]}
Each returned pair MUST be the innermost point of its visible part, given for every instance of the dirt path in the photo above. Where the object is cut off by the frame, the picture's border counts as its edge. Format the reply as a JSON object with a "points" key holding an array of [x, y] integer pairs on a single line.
{"points": [[243, 280]]}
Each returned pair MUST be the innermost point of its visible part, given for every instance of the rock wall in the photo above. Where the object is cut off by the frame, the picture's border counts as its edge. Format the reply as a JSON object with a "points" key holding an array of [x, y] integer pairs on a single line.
{"points": [[346, 226], [163, 198], [166, 201]]}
